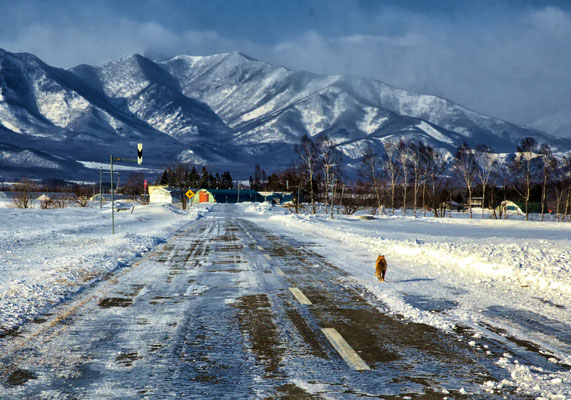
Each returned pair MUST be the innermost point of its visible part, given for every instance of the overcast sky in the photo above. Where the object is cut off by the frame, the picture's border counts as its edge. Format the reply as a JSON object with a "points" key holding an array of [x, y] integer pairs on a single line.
{"points": [[509, 59]]}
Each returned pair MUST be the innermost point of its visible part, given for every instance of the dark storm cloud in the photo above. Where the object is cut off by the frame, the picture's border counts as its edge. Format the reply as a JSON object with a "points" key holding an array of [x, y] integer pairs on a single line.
{"points": [[511, 62]]}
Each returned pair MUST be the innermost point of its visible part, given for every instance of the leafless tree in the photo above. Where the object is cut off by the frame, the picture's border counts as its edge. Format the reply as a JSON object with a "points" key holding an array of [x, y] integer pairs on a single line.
{"points": [[24, 196], [465, 167], [435, 167], [135, 184], [390, 163], [503, 175], [549, 164], [486, 163], [351, 202], [46, 203], [330, 161], [414, 164], [182, 177], [565, 178], [370, 171], [417, 153], [405, 161], [521, 167], [307, 157], [59, 201], [81, 195]]}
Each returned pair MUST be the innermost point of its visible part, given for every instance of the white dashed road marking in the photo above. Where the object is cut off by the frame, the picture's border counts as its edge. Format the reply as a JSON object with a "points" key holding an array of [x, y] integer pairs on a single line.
{"points": [[298, 294], [343, 348]]}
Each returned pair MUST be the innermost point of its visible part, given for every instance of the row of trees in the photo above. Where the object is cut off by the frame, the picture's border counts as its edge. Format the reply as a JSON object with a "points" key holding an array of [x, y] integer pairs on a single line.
{"points": [[27, 194], [412, 174], [190, 177], [408, 175], [183, 177], [533, 165]]}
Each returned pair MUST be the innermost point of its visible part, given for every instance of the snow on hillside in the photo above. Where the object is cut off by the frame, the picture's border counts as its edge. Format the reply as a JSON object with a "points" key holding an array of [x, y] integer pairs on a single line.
{"points": [[227, 107], [26, 157]]}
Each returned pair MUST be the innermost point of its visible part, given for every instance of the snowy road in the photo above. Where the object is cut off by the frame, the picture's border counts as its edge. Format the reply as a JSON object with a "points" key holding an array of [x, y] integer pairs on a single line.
{"points": [[231, 308]]}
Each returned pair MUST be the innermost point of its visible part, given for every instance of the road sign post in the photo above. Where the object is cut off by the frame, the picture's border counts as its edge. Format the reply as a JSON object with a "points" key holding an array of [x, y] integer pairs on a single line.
{"points": [[190, 195]]}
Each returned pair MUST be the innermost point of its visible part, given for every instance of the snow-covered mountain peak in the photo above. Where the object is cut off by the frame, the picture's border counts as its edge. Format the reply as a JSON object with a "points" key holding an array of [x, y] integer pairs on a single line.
{"points": [[225, 109]]}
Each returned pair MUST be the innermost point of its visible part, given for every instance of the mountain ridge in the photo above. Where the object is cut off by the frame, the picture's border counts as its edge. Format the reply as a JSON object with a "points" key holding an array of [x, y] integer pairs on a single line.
{"points": [[228, 110]]}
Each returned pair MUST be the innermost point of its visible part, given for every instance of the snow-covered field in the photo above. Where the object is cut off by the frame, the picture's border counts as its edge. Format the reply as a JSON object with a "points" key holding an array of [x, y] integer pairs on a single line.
{"points": [[470, 273], [48, 255]]}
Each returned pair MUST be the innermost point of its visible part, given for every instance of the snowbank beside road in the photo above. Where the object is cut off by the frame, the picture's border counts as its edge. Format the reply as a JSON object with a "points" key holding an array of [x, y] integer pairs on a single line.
{"points": [[48, 255], [496, 280], [527, 254], [489, 263]]}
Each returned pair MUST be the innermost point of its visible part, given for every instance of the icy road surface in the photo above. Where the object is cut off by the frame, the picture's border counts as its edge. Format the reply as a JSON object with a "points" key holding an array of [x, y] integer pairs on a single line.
{"points": [[238, 306]]}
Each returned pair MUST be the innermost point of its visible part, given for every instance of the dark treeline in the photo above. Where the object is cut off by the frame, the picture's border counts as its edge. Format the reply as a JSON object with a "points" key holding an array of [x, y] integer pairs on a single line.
{"points": [[184, 177], [188, 177], [411, 176]]}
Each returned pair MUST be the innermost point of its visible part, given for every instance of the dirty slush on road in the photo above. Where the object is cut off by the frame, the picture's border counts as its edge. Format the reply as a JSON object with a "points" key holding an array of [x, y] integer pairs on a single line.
{"points": [[212, 315]]}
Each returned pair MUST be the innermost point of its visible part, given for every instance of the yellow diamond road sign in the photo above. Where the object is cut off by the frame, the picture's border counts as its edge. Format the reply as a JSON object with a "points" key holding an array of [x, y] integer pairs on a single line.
{"points": [[189, 194]]}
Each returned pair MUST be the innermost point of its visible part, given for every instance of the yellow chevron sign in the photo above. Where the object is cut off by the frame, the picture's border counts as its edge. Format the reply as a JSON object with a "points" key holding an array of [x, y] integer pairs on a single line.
{"points": [[189, 194]]}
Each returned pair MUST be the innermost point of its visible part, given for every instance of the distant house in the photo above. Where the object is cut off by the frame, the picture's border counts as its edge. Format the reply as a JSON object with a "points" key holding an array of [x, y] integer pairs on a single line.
{"points": [[453, 205], [223, 196], [278, 197], [477, 201], [163, 194], [43, 197]]}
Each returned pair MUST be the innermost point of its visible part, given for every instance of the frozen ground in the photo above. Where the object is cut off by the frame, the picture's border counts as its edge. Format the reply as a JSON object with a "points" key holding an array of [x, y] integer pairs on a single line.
{"points": [[502, 280], [48, 255], [498, 277]]}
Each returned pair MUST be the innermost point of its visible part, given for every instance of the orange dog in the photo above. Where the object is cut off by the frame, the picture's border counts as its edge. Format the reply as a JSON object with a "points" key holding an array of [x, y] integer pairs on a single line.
{"points": [[381, 268]]}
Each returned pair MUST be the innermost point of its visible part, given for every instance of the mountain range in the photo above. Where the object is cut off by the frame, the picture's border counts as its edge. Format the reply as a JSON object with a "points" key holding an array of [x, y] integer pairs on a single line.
{"points": [[228, 111]]}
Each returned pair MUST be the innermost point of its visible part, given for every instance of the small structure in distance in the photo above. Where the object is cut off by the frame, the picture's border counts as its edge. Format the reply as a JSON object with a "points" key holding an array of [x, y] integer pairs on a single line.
{"points": [[163, 194]]}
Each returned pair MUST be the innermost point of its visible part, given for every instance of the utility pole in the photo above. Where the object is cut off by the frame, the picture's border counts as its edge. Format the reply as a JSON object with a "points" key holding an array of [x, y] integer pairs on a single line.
{"points": [[138, 160], [112, 199], [100, 186]]}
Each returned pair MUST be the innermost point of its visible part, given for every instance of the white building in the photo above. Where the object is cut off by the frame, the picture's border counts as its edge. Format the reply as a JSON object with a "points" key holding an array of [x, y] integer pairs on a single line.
{"points": [[163, 194]]}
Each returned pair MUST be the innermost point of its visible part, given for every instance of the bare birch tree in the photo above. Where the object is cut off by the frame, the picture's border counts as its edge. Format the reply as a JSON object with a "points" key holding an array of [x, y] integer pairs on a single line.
{"points": [[24, 196], [566, 179], [549, 164], [307, 157], [370, 171], [415, 151], [330, 162], [465, 166], [435, 167], [404, 155], [521, 168], [390, 162], [486, 163]]}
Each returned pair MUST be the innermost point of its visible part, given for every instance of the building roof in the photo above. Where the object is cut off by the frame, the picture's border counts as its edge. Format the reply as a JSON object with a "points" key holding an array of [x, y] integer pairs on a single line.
{"points": [[228, 191]]}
